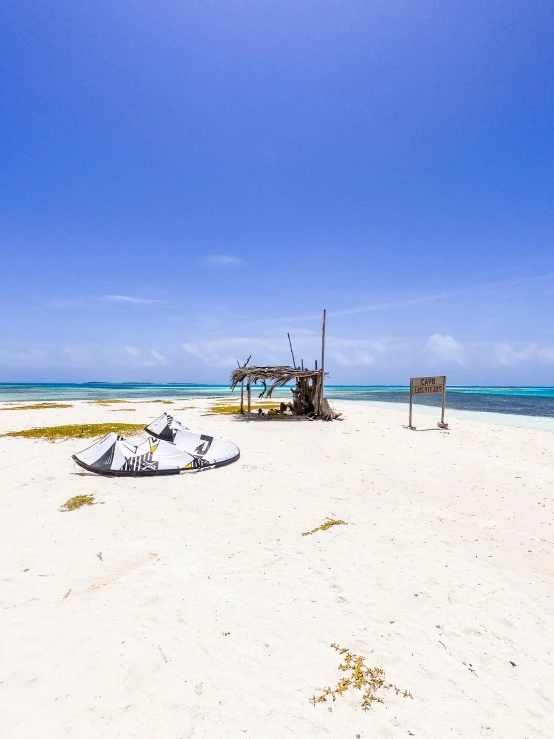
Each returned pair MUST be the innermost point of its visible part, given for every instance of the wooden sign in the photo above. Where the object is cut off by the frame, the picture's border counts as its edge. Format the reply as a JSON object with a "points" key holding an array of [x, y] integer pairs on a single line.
{"points": [[428, 386]]}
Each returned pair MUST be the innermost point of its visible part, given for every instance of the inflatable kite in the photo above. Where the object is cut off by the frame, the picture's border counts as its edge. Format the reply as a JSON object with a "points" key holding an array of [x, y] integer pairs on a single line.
{"points": [[211, 450], [114, 455]]}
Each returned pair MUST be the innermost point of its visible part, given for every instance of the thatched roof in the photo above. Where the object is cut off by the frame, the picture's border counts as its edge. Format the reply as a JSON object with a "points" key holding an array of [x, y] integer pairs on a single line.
{"points": [[278, 376]]}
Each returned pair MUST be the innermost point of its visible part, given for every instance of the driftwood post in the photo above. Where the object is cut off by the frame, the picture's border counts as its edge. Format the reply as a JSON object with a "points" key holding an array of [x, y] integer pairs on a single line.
{"points": [[242, 385], [442, 424], [241, 391], [322, 357], [290, 344], [249, 396]]}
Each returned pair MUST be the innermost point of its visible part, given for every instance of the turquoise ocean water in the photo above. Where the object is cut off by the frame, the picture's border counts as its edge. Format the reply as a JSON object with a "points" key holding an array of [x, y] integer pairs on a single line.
{"points": [[525, 401]]}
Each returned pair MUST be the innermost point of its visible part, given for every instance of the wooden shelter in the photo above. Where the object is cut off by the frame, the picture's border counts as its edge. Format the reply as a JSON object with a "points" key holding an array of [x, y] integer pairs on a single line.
{"points": [[307, 395]]}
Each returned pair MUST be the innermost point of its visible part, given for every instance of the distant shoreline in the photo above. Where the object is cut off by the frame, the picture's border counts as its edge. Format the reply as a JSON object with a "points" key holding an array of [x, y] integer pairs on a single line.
{"points": [[530, 402]]}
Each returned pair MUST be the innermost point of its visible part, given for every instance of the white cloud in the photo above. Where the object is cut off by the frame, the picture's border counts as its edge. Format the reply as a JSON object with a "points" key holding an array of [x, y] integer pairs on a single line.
{"points": [[226, 352], [446, 348], [469, 292], [13, 356], [507, 356], [391, 304], [546, 354], [131, 300], [510, 355], [221, 260], [351, 352], [67, 303], [132, 356], [159, 358], [79, 355], [265, 350]]}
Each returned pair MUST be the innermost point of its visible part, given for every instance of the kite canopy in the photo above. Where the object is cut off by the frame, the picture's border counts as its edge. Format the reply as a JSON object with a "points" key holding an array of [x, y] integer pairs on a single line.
{"points": [[211, 450], [114, 455]]}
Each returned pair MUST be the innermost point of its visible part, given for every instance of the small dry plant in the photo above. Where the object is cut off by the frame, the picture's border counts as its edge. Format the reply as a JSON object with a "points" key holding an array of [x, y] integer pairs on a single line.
{"points": [[327, 525], [77, 502], [371, 679]]}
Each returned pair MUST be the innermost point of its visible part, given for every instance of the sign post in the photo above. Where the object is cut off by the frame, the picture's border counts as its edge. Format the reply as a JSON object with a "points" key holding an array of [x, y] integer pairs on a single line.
{"points": [[428, 386]]}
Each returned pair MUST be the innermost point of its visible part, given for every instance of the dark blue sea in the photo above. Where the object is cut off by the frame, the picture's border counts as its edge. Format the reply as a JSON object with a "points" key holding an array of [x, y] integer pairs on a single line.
{"points": [[524, 401]]}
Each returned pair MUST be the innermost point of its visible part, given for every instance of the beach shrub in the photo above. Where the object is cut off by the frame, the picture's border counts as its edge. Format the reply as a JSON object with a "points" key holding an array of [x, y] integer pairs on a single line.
{"points": [[327, 525], [77, 502], [79, 431], [371, 679]]}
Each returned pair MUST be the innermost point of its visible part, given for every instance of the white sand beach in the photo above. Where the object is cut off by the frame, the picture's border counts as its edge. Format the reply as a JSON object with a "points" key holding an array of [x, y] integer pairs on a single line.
{"points": [[192, 606]]}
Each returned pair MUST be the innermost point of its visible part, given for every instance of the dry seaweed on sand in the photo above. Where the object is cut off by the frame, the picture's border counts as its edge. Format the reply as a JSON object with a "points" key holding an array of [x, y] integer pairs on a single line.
{"points": [[36, 407], [122, 410], [105, 401], [327, 525], [157, 400], [77, 502], [79, 431], [371, 679], [231, 408]]}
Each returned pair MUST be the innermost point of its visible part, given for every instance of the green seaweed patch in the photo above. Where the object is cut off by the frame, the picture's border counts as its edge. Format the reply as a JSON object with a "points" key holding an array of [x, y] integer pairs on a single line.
{"points": [[159, 400], [234, 408], [36, 407], [78, 501], [80, 431], [371, 679], [104, 401], [327, 525], [122, 410]]}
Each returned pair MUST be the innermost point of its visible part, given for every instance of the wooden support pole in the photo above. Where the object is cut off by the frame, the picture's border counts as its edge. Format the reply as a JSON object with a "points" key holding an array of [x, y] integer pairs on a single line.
{"points": [[442, 424], [242, 385], [322, 356], [290, 344], [249, 397]]}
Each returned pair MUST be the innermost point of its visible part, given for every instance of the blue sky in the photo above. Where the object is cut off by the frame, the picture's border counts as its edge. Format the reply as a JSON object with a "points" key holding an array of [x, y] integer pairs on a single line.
{"points": [[182, 183]]}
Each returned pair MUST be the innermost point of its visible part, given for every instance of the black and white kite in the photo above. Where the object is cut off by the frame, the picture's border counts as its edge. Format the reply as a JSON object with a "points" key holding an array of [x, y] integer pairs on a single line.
{"points": [[114, 455], [212, 450]]}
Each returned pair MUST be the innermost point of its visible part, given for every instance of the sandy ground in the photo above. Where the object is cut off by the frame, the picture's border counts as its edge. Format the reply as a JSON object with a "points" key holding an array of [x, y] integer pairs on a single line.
{"points": [[191, 606]]}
